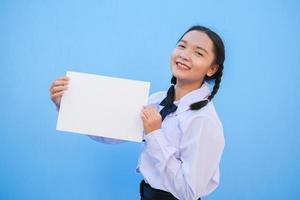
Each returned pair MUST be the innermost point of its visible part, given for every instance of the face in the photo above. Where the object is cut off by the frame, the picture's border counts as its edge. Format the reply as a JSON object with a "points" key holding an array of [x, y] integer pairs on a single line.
{"points": [[193, 58]]}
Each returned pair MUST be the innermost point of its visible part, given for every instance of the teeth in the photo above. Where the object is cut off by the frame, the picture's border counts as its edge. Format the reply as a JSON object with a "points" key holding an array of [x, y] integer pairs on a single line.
{"points": [[182, 65]]}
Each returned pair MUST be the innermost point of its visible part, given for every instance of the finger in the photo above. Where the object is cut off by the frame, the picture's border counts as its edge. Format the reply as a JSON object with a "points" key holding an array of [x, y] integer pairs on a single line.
{"points": [[60, 82], [58, 89], [148, 114], [155, 115], [152, 111], [144, 117], [63, 78], [58, 94], [151, 114], [149, 108], [145, 113], [146, 107]]}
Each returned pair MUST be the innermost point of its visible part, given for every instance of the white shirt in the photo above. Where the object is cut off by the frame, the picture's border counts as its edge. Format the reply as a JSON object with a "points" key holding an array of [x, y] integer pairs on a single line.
{"points": [[183, 156]]}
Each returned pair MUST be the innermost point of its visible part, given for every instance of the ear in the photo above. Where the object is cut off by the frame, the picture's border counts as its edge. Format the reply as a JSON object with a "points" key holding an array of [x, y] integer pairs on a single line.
{"points": [[212, 70]]}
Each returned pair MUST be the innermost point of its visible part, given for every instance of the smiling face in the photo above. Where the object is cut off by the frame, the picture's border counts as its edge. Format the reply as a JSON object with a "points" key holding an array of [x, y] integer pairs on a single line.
{"points": [[193, 58]]}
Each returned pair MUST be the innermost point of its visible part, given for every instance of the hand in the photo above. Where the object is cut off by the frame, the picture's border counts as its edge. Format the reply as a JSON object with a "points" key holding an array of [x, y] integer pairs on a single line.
{"points": [[57, 89], [151, 119]]}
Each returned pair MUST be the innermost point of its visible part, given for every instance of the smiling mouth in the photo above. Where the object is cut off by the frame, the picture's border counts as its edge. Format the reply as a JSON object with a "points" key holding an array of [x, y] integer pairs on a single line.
{"points": [[182, 66]]}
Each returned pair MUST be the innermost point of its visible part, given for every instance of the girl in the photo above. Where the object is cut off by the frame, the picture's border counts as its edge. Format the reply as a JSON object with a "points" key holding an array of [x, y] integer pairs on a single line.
{"points": [[184, 139]]}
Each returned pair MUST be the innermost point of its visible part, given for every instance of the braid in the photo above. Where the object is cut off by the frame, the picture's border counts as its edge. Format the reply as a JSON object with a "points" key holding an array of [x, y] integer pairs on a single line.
{"points": [[171, 94], [217, 83], [200, 104], [173, 80]]}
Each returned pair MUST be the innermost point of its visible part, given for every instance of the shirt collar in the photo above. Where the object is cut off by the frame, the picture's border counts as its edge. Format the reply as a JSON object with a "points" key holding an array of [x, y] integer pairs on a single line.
{"points": [[194, 96]]}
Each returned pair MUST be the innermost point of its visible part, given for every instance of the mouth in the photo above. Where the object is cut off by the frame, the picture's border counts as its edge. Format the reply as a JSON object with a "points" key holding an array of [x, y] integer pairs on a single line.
{"points": [[182, 66]]}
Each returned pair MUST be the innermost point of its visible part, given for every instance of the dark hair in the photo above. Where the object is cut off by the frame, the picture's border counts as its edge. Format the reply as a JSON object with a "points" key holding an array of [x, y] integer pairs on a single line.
{"points": [[219, 51]]}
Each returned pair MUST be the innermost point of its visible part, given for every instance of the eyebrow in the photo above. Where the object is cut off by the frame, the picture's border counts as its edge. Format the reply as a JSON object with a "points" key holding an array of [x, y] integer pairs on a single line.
{"points": [[197, 47]]}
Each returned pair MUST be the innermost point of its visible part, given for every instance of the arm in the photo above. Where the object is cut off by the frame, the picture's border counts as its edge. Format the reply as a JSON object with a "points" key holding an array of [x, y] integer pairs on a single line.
{"points": [[188, 177], [105, 140]]}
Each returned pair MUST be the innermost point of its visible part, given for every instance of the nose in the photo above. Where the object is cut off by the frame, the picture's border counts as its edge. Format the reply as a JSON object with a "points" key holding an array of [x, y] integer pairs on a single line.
{"points": [[184, 55]]}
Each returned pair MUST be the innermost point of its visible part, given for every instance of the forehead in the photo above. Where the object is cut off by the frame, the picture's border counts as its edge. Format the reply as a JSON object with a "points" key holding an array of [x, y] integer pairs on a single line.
{"points": [[198, 38]]}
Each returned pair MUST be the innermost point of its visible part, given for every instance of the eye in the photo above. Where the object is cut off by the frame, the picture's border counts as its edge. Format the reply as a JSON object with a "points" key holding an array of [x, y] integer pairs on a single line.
{"points": [[198, 53], [181, 46]]}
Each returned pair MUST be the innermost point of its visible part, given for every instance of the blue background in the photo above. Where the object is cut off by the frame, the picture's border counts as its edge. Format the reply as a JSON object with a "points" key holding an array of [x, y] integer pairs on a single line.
{"points": [[257, 101]]}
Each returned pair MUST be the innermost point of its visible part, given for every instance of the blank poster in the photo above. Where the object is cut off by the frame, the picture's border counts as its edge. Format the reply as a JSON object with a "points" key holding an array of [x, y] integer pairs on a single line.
{"points": [[103, 106]]}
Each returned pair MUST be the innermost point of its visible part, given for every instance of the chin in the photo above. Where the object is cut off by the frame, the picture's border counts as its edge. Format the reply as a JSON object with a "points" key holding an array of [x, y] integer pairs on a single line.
{"points": [[180, 78], [183, 78], [179, 74]]}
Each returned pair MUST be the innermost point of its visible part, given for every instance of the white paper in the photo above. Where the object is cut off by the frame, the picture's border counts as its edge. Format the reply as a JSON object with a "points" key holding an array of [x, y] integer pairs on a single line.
{"points": [[103, 106]]}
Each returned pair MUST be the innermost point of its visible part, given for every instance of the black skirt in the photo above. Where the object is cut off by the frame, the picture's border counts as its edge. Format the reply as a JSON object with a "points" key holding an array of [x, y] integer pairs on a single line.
{"points": [[149, 193]]}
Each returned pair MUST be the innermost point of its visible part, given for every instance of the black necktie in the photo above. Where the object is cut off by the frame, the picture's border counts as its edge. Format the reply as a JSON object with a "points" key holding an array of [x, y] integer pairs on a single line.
{"points": [[169, 106]]}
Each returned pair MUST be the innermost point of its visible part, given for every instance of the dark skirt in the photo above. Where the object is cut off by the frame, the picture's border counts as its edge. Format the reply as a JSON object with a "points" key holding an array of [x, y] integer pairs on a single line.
{"points": [[149, 193]]}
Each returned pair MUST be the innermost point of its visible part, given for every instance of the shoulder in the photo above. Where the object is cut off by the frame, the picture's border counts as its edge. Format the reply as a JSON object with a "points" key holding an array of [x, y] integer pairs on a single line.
{"points": [[156, 97], [203, 121], [210, 114]]}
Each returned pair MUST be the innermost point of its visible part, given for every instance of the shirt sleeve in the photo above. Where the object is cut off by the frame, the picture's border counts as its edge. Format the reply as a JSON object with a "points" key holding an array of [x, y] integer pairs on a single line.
{"points": [[188, 175], [106, 140]]}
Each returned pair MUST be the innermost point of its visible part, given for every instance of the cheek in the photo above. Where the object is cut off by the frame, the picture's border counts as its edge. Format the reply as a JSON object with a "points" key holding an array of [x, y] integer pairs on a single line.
{"points": [[200, 67], [172, 56]]}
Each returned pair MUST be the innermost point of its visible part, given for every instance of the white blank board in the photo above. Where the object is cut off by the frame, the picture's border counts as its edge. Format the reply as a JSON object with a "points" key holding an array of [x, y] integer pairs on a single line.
{"points": [[103, 106]]}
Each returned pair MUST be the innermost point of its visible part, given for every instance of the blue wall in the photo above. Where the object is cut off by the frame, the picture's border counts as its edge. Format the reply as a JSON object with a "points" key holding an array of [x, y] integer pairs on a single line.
{"points": [[257, 102]]}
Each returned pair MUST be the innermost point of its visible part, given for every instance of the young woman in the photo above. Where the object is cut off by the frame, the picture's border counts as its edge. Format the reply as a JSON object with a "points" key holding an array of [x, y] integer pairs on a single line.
{"points": [[183, 135]]}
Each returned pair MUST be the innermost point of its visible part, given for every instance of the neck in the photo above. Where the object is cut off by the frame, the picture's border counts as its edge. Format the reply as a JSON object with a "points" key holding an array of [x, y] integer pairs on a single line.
{"points": [[182, 88]]}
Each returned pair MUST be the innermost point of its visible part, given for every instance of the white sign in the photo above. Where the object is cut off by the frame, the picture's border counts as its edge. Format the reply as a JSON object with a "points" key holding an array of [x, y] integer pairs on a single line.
{"points": [[103, 106]]}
